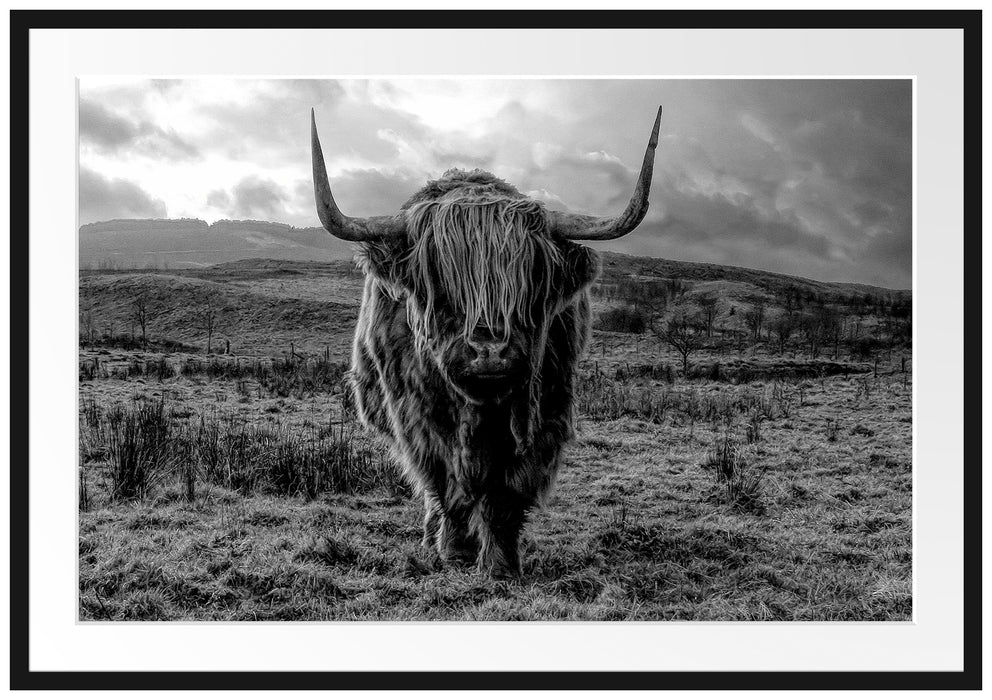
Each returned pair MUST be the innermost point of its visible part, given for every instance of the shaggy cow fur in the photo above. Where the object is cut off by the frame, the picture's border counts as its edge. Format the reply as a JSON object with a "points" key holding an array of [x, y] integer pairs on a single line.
{"points": [[477, 255]]}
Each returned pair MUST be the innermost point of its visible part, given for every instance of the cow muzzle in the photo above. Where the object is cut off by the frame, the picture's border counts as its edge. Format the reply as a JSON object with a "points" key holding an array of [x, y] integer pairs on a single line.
{"points": [[486, 367], [491, 355]]}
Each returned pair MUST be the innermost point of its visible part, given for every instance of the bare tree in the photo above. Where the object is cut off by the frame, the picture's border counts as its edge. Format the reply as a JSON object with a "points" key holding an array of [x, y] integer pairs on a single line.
{"points": [[783, 327], [707, 304], [209, 318], [791, 301], [829, 327], [683, 335], [88, 325], [819, 325], [141, 313], [755, 317]]}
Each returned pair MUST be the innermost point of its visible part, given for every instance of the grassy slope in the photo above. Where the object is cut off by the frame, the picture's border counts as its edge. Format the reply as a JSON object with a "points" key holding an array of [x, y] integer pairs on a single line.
{"points": [[636, 529], [270, 304], [263, 310], [621, 265]]}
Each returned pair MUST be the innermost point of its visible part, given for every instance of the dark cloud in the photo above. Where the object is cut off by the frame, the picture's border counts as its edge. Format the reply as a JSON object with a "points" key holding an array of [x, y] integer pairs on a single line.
{"points": [[725, 229], [370, 192], [253, 197], [104, 129], [257, 198], [888, 260], [803, 177], [220, 199], [114, 133], [872, 212], [273, 126], [168, 144], [102, 199], [718, 219]]}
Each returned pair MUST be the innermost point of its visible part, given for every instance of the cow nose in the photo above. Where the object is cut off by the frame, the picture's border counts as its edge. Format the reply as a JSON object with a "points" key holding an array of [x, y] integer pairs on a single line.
{"points": [[488, 344]]}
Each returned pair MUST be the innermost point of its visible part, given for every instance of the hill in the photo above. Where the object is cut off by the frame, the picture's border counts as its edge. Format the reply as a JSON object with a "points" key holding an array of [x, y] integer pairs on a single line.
{"points": [[619, 265], [193, 243], [268, 305], [190, 243], [124, 244]]}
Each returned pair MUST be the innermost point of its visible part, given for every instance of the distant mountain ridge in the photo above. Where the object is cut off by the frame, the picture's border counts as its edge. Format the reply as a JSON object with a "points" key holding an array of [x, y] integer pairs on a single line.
{"points": [[191, 243], [137, 243]]}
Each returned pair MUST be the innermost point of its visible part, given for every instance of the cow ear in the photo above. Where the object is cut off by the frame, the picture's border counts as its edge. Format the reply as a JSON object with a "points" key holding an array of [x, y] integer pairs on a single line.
{"points": [[580, 269], [386, 261]]}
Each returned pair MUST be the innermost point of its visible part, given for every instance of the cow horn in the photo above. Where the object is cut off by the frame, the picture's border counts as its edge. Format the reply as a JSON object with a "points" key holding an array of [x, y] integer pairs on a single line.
{"points": [[337, 224], [580, 227]]}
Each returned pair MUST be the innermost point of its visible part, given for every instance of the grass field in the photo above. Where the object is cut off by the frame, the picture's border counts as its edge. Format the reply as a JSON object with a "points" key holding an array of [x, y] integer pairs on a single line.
{"points": [[239, 487]]}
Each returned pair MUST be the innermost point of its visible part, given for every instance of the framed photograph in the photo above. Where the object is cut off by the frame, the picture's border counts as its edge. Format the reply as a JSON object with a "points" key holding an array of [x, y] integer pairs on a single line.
{"points": [[496, 350]]}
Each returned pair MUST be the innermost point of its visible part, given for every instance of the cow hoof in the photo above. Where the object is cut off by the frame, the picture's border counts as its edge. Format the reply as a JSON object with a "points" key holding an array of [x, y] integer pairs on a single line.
{"points": [[500, 569], [457, 553], [502, 573]]}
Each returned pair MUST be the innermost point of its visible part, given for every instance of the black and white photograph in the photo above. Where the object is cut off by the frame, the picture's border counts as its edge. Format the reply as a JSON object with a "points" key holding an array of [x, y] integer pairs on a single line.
{"points": [[503, 350], [495, 349]]}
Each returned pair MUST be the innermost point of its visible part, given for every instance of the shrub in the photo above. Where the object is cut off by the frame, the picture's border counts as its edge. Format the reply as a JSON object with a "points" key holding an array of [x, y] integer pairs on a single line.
{"points": [[91, 413], [866, 347], [129, 342], [753, 427], [622, 319], [232, 454], [138, 447], [162, 369], [833, 430], [91, 369], [84, 492], [738, 484], [627, 371], [310, 466], [291, 376], [145, 442], [602, 398]]}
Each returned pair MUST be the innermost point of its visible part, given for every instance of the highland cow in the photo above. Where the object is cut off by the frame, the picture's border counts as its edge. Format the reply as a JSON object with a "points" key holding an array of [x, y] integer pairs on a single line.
{"points": [[474, 316]]}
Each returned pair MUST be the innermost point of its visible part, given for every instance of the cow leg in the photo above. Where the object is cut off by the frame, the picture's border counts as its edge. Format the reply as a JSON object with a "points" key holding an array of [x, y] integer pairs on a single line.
{"points": [[499, 522], [433, 517], [454, 541], [445, 522]]}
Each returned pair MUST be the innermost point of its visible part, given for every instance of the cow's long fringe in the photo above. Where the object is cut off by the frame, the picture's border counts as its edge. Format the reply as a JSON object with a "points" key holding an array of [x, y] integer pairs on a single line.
{"points": [[490, 258]]}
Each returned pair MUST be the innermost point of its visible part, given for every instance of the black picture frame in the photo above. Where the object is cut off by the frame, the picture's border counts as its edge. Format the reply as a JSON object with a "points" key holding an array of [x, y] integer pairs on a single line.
{"points": [[22, 678]]}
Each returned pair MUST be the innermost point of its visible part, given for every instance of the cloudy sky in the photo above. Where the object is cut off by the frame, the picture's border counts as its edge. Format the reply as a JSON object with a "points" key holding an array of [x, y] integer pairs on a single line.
{"points": [[805, 177]]}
